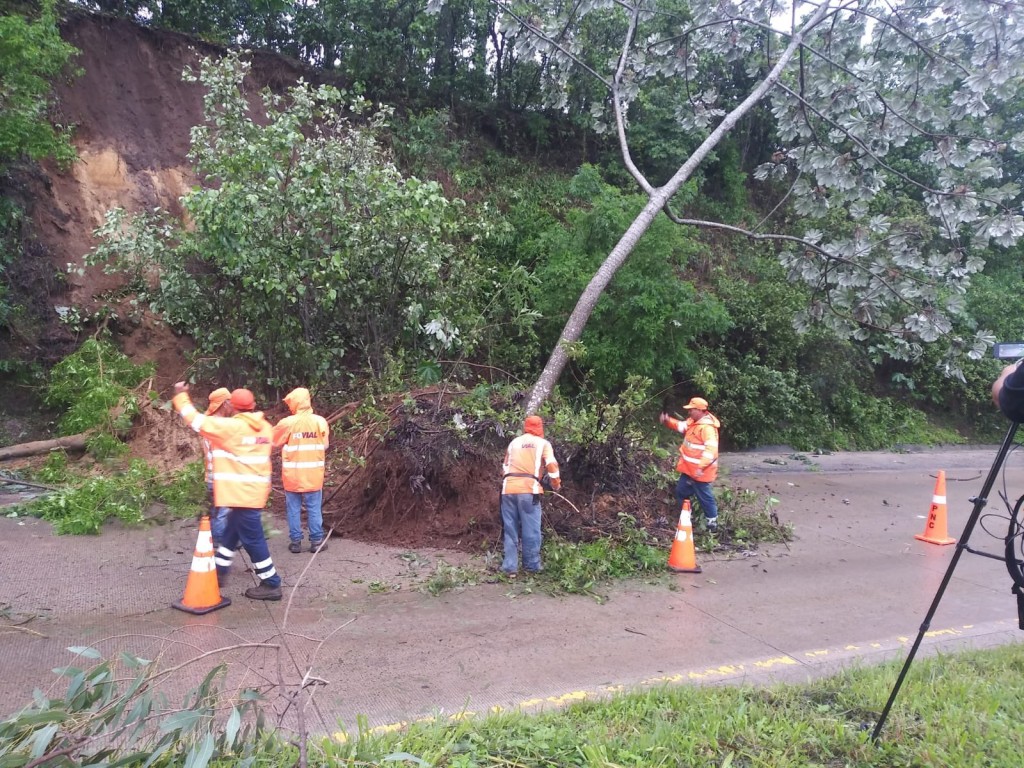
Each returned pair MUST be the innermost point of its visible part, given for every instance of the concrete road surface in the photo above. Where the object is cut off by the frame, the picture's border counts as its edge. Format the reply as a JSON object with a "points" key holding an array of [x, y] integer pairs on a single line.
{"points": [[853, 587]]}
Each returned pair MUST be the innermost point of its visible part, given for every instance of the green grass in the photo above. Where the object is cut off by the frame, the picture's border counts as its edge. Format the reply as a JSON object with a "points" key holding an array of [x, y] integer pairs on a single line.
{"points": [[956, 711], [959, 710]]}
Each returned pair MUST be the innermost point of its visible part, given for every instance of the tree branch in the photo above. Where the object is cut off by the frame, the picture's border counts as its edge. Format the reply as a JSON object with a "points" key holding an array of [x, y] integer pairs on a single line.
{"points": [[537, 32], [864, 148], [807, 244], [617, 105]]}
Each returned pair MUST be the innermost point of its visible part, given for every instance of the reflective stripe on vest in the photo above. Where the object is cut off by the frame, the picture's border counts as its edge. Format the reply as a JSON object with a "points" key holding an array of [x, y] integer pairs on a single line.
{"points": [[240, 454], [303, 456]]}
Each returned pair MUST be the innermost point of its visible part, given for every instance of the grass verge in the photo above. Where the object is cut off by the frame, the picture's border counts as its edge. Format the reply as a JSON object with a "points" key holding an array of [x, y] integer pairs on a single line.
{"points": [[954, 710]]}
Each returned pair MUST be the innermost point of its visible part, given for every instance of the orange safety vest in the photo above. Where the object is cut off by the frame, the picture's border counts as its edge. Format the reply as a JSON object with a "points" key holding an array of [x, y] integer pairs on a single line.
{"points": [[303, 439], [525, 457], [698, 455], [240, 453]]}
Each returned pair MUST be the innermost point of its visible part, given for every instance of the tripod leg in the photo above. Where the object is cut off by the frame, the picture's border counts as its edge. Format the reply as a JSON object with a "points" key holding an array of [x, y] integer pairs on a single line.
{"points": [[979, 504]]}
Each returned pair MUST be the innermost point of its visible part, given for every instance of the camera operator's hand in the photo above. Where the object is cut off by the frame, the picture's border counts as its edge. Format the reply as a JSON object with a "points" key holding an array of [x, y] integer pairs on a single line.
{"points": [[997, 385]]}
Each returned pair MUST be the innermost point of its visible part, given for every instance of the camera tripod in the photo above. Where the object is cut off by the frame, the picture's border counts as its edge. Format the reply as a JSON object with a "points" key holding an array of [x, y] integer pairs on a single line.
{"points": [[1013, 564]]}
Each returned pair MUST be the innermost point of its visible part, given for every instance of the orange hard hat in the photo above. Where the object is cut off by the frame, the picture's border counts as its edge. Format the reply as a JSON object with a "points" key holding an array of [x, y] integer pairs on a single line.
{"points": [[243, 400], [534, 425]]}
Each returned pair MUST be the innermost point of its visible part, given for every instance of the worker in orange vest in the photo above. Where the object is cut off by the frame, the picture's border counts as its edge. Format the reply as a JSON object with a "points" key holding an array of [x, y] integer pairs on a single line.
{"points": [[241, 441], [303, 439], [527, 458], [218, 515], [698, 457]]}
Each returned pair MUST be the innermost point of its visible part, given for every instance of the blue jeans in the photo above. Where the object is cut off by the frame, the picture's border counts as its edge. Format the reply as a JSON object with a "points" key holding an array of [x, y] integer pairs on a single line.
{"points": [[520, 518], [218, 517], [687, 487], [293, 501], [245, 527]]}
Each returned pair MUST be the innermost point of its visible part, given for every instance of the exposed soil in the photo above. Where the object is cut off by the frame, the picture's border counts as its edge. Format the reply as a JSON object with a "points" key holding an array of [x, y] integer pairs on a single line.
{"points": [[428, 483], [132, 115], [414, 480]]}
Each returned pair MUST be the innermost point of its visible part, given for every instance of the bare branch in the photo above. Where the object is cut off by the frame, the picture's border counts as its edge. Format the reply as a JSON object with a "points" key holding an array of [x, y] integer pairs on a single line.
{"points": [[807, 244], [617, 105], [778, 205]]}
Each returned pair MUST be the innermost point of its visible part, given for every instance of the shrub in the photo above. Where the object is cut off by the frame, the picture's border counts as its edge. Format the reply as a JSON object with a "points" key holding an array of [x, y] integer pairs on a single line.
{"points": [[95, 387]]}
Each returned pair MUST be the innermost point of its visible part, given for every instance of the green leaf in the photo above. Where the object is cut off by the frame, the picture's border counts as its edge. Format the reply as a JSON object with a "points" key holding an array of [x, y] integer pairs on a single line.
{"points": [[164, 745], [74, 689], [49, 716], [180, 721], [395, 757], [42, 740], [132, 759], [132, 661], [232, 726], [85, 651], [200, 754]]}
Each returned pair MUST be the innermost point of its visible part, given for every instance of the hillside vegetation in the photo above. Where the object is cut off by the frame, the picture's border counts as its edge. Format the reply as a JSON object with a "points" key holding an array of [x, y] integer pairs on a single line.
{"points": [[459, 239], [441, 216], [451, 220]]}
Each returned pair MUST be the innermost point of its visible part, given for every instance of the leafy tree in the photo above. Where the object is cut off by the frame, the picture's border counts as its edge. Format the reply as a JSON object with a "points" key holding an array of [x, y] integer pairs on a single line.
{"points": [[255, 23], [32, 55], [849, 86], [646, 323], [304, 241]]}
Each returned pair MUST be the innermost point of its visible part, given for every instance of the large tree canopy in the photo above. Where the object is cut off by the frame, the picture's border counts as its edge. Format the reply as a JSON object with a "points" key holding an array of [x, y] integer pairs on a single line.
{"points": [[897, 127]]}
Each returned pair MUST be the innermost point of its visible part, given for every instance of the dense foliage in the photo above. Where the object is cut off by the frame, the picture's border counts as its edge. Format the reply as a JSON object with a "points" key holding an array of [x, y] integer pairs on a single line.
{"points": [[96, 389], [306, 243], [32, 55], [321, 243], [128, 493]]}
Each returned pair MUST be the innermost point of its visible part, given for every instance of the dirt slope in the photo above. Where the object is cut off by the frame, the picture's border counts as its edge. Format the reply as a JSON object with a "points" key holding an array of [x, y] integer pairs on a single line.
{"points": [[131, 114]]}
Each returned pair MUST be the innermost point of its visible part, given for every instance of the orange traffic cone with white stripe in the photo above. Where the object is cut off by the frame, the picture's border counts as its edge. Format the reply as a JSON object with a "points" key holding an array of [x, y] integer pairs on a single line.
{"points": [[683, 558], [935, 528], [202, 592]]}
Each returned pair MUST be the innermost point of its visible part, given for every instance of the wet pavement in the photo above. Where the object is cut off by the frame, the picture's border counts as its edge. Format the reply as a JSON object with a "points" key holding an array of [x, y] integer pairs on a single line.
{"points": [[852, 588]]}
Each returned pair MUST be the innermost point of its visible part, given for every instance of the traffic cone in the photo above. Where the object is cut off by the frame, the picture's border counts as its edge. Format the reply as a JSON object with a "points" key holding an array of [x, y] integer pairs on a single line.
{"points": [[935, 528], [682, 558], [202, 593]]}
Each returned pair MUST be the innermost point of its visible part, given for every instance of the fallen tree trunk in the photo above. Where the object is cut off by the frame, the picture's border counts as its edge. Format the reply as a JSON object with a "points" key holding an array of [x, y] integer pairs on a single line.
{"points": [[69, 443]]}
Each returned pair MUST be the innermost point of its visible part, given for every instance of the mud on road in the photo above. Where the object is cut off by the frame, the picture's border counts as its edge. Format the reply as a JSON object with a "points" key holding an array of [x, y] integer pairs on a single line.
{"points": [[852, 587]]}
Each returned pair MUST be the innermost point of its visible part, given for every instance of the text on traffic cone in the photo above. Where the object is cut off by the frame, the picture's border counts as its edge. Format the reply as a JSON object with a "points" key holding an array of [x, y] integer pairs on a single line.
{"points": [[935, 527], [683, 558], [202, 592]]}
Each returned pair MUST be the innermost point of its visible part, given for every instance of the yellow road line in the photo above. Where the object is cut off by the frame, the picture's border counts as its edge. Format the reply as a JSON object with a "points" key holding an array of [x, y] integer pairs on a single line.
{"points": [[711, 673]]}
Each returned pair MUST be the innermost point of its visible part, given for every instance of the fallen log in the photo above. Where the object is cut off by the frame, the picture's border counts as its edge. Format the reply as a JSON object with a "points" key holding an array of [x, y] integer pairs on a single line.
{"points": [[69, 443]]}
